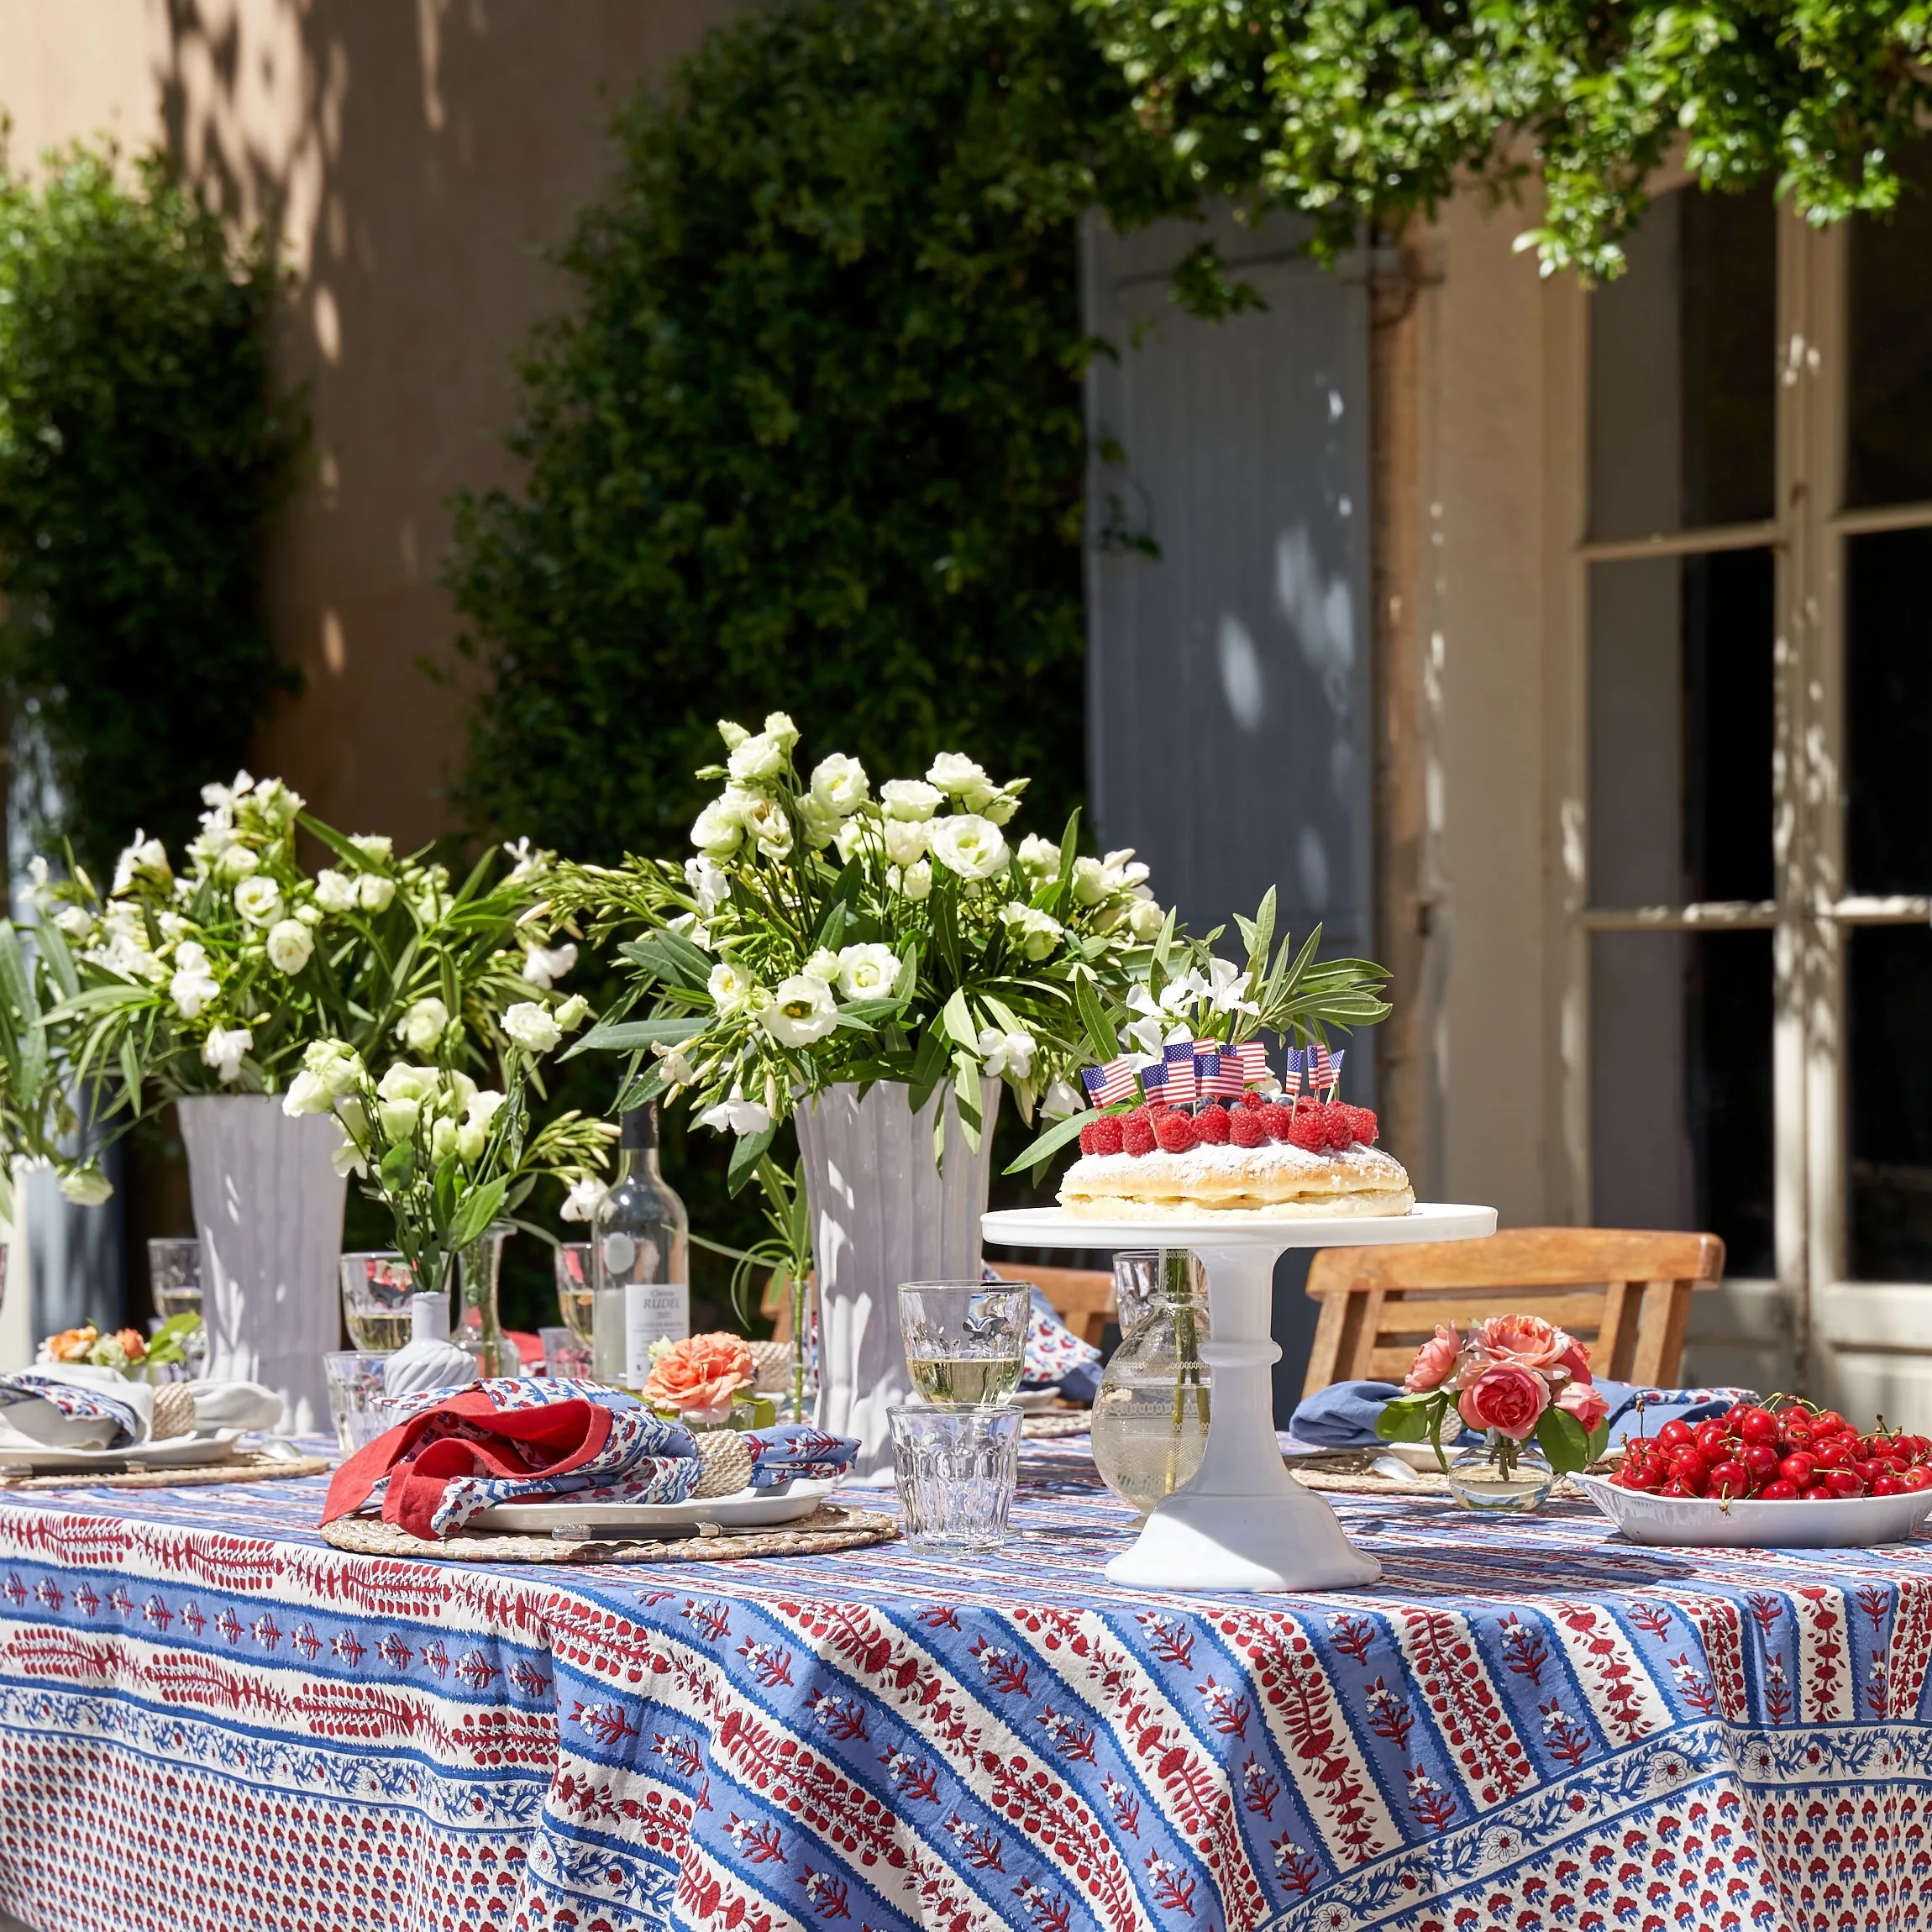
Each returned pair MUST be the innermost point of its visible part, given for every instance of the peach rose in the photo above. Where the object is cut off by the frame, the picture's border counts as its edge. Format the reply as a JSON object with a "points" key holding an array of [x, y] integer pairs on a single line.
{"points": [[134, 1344], [1584, 1402], [1434, 1361], [699, 1376], [72, 1344], [1576, 1358], [1506, 1398], [1526, 1339]]}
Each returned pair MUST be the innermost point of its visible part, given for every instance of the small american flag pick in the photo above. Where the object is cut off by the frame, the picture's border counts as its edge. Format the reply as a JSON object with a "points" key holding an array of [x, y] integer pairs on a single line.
{"points": [[1253, 1063], [1320, 1068], [1113, 1082], [1218, 1070], [1183, 1088], [1154, 1083], [1335, 1070], [1294, 1061]]}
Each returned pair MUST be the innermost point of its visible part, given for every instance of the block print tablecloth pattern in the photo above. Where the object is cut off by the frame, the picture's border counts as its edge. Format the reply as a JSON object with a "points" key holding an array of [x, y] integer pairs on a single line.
{"points": [[1525, 1726]]}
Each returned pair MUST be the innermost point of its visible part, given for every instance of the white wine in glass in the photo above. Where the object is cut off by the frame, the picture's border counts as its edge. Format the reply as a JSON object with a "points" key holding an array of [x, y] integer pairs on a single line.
{"points": [[967, 1381], [376, 1333], [576, 1298]]}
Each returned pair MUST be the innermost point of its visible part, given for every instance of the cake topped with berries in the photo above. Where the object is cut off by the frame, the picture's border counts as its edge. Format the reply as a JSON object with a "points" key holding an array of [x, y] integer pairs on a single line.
{"points": [[1249, 1156]]}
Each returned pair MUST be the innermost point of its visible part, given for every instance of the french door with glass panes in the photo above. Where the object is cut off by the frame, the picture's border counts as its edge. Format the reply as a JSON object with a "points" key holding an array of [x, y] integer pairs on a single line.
{"points": [[1746, 822]]}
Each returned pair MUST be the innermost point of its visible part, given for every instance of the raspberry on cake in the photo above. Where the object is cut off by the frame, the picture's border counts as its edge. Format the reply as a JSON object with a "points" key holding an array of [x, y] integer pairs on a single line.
{"points": [[1255, 1161]]}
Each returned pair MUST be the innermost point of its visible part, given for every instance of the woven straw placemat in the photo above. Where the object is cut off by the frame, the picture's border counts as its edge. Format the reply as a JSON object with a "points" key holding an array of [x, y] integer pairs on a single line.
{"points": [[826, 1529], [1429, 1485], [249, 1468], [1057, 1422]]}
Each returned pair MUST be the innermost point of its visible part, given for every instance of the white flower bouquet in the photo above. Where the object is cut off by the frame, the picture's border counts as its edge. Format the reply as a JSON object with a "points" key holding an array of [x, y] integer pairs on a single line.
{"points": [[820, 933], [218, 980]]}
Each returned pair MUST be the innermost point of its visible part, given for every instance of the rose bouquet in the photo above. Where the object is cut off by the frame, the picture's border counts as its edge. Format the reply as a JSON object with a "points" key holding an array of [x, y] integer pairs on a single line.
{"points": [[1511, 1378], [823, 933], [126, 1351], [219, 978]]}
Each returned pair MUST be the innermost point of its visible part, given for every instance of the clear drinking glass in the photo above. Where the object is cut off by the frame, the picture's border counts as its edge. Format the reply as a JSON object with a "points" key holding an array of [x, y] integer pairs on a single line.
{"points": [[576, 1295], [376, 1292], [955, 1469], [354, 1384], [965, 1341], [565, 1353], [175, 1281]]}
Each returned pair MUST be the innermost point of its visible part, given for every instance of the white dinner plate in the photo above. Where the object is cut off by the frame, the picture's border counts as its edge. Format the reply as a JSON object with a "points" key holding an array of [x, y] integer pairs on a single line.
{"points": [[1849, 1522], [177, 1452], [749, 1509]]}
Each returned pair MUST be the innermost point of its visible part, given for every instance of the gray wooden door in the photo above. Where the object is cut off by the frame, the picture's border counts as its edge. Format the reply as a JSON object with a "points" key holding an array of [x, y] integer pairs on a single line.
{"points": [[1229, 717]]}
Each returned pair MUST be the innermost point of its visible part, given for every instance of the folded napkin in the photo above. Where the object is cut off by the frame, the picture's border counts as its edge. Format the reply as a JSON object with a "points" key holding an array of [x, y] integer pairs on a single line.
{"points": [[76, 1405], [453, 1453], [226, 1405], [1056, 1357], [1343, 1415]]}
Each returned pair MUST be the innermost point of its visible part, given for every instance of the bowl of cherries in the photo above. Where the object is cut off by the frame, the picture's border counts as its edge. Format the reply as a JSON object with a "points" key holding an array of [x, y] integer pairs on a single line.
{"points": [[1791, 1477]]}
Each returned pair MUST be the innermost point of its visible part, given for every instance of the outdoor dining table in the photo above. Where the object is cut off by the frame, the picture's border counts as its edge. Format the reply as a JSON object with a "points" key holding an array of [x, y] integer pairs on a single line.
{"points": [[211, 1719]]}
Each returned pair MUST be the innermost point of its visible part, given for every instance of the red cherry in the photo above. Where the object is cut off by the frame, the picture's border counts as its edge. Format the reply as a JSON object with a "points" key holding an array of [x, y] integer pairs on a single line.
{"points": [[1821, 1492], [1778, 1492], [1727, 1480], [1828, 1422], [1887, 1486], [1845, 1482], [1713, 1438], [1799, 1435], [1676, 1486], [1761, 1459], [1757, 1425], [1917, 1478], [1675, 1435], [1834, 1452], [1797, 1467], [1869, 1470], [1735, 1414]]}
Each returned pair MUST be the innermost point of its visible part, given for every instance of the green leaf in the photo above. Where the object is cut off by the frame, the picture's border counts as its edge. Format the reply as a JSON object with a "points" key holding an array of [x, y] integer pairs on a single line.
{"points": [[745, 1155], [1050, 1143], [1402, 1422], [958, 1022], [1093, 1018], [1562, 1439], [474, 1213], [627, 1035]]}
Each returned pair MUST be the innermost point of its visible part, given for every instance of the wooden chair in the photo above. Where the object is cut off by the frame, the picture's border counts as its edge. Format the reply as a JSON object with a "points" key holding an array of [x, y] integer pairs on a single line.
{"points": [[1082, 1297], [1624, 1293]]}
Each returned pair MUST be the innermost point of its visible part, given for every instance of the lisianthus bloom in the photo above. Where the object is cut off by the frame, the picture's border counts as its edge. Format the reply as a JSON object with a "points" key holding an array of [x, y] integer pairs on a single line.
{"points": [[1506, 1398], [699, 1376], [1435, 1361]]}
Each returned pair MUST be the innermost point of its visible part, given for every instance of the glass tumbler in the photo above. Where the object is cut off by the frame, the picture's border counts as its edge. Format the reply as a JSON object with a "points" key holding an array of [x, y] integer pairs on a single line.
{"points": [[175, 1280], [577, 1298], [354, 1391], [565, 1353], [956, 1470], [376, 1292], [965, 1341]]}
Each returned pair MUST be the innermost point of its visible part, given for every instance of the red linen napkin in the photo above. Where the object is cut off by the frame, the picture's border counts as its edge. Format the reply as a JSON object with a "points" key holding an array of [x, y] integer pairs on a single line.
{"points": [[466, 1434]]}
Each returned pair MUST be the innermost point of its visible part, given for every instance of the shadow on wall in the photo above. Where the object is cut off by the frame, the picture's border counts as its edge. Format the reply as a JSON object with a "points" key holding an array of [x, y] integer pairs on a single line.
{"points": [[416, 163]]}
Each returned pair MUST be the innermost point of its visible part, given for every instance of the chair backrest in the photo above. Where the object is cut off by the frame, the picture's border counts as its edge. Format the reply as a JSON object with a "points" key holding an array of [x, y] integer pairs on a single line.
{"points": [[1082, 1297], [1623, 1292]]}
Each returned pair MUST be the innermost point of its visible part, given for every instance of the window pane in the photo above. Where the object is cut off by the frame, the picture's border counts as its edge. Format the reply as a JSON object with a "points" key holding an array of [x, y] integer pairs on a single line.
{"points": [[1681, 729], [1683, 353], [1890, 1043], [1888, 457], [1889, 711], [1680, 1086]]}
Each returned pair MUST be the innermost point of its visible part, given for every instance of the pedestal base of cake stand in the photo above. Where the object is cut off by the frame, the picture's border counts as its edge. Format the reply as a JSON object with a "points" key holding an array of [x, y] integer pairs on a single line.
{"points": [[1243, 1523]]}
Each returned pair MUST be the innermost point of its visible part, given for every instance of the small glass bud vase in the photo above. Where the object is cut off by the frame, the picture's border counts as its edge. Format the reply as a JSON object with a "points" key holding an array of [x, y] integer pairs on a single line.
{"points": [[1501, 1475], [1150, 1423]]}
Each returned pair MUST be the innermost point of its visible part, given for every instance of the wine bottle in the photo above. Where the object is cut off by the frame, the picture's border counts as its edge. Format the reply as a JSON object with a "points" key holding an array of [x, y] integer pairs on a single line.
{"points": [[640, 1260]]}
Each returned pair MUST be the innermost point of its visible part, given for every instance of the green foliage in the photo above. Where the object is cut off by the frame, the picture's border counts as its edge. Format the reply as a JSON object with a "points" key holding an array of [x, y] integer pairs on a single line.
{"points": [[812, 435], [142, 453], [1357, 113]]}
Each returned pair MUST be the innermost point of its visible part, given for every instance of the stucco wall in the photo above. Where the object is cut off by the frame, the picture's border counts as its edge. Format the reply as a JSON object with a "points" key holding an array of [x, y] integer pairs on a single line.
{"points": [[416, 159], [1482, 480]]}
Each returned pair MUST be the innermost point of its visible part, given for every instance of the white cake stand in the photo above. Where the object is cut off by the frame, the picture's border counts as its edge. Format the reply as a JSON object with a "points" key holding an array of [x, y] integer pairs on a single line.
{"points": [[1243, 1523]]}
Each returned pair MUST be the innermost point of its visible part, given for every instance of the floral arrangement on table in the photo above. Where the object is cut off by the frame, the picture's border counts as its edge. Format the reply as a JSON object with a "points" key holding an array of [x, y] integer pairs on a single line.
{"points": [[126, 1350], [38, 1122], [701, 1380], [1509, 1379], [823, 934], [218, 979], [451, 1159]]}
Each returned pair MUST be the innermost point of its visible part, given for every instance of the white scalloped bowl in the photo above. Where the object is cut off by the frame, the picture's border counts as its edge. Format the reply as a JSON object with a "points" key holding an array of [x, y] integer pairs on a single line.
{"points": [[1691, 1522]]}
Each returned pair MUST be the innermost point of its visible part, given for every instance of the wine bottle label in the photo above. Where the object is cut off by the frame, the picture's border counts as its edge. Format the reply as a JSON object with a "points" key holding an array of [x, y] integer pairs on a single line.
{"points": [[653, 1310]]}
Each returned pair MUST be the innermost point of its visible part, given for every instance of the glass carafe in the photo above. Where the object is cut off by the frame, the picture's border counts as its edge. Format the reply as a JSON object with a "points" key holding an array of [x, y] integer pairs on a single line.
{"points": [[1151, 1416]]}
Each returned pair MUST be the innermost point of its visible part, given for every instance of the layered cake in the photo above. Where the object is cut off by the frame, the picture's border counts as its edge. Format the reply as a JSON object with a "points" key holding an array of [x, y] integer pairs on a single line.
{"points": [[1255, 1159]]}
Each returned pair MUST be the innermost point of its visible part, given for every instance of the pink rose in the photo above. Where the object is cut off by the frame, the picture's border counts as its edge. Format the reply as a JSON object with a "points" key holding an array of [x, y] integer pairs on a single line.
{"points": [[1434, 1360], [1577, 1359], [1526, 1339], [1504, 1398], [699, 1376], [1584, 1402]]}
